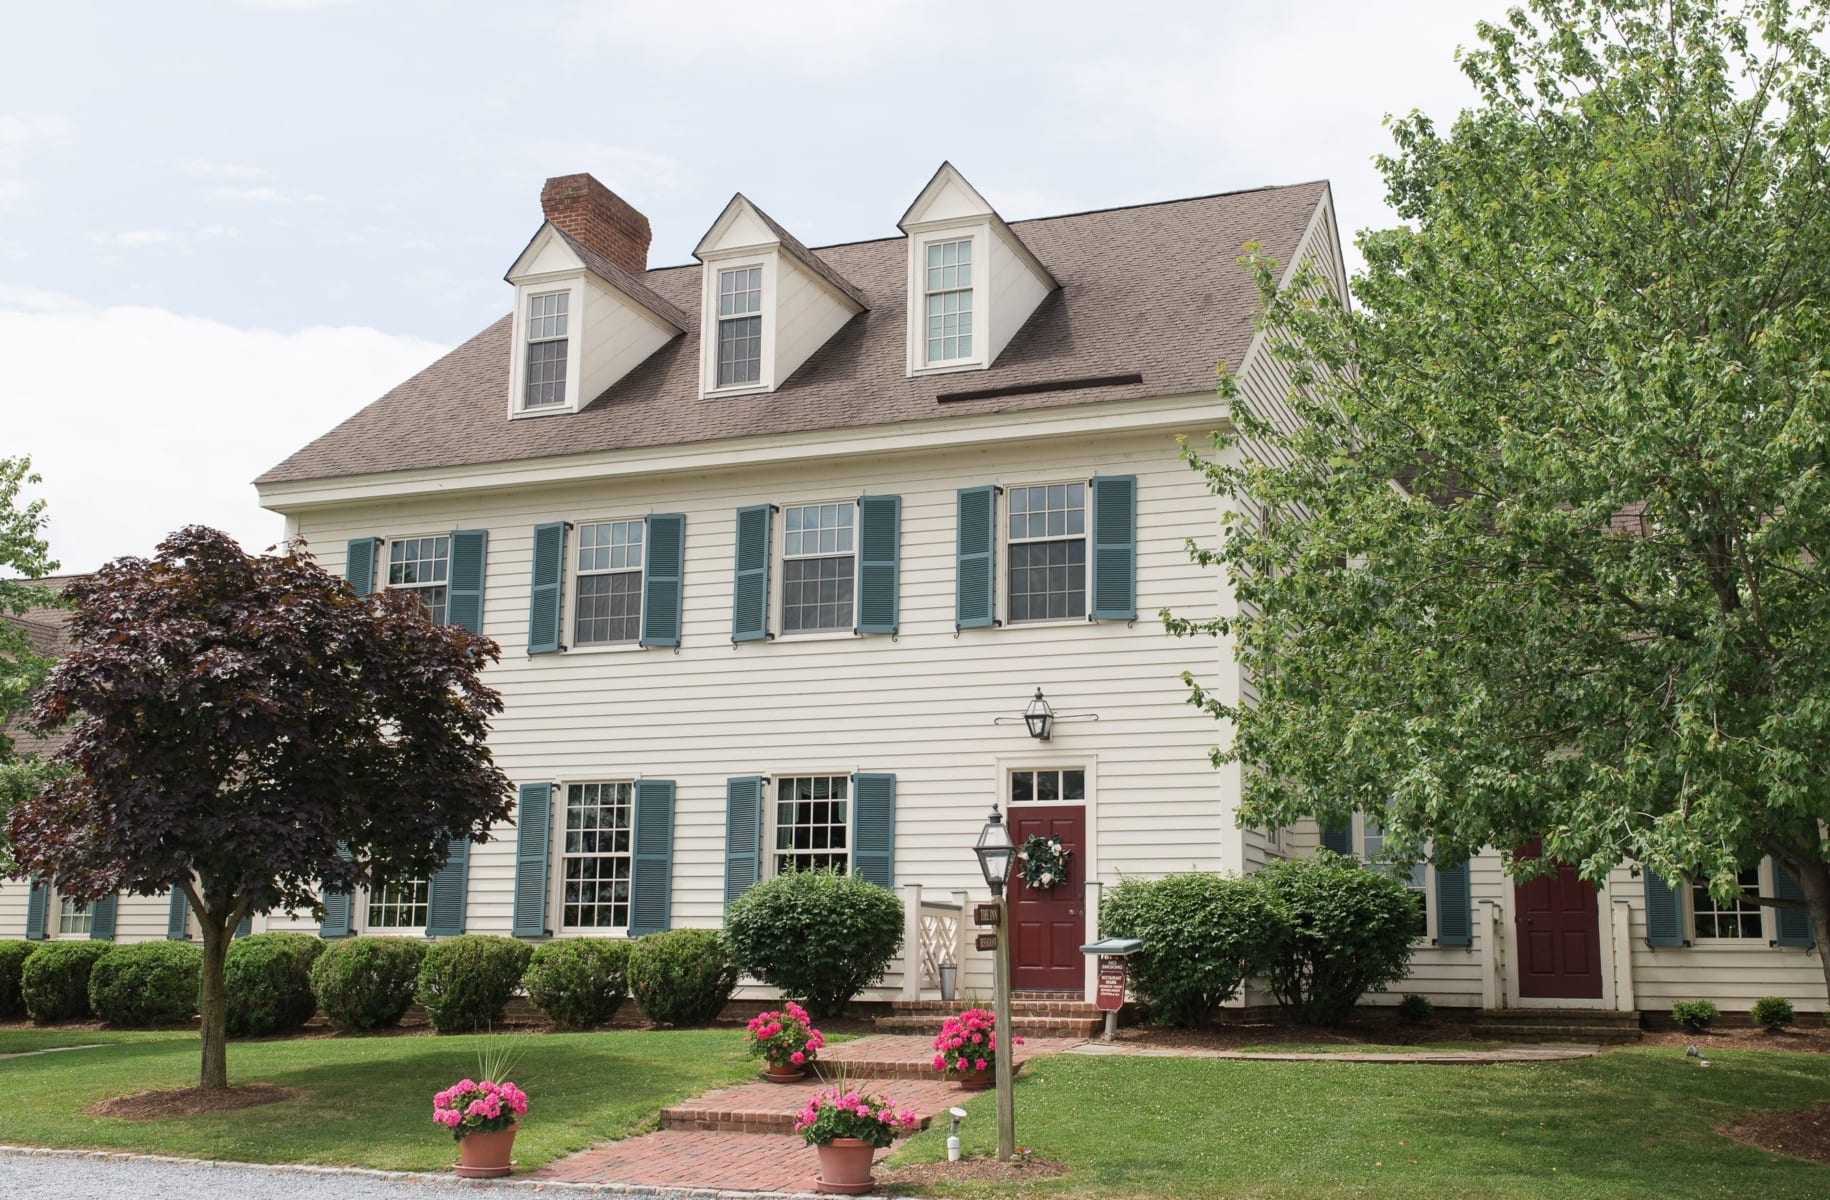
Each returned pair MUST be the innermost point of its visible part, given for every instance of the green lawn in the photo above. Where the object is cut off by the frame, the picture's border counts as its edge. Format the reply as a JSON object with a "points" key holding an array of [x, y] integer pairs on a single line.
{"points": [[367, 1101], [1369, 1047], [23, 1041], [1631, 1124]]}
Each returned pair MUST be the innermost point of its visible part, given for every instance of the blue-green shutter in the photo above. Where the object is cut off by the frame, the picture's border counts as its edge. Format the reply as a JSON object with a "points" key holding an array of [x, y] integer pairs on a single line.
{"points": [[873, 828], [533, 821], [36, 900], [546, 607], [1114, 590], [359, 564], [742, 834], [1664, 911], [879, 563], [447, 891], [652, 864], [750, 588], [663, 579], [336, 905], [1338, 838], [976, 554], [1794, 924], [177, 917], [244, 927], [101, 918], [464, 598], [1454, 906]]}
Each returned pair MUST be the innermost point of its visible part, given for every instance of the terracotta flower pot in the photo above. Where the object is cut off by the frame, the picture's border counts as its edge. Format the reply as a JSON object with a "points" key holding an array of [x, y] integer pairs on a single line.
{"points": [[486, 1155], [845, 1166], [975, 1081], [776, 1074]]}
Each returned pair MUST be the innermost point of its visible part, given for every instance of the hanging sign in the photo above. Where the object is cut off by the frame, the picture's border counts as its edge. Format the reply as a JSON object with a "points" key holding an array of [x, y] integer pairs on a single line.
{"points": [[984, 914], [988, 941], [1111, 995]]}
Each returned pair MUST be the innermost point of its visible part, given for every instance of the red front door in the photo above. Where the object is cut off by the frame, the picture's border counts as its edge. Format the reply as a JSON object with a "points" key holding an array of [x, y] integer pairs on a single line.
{"points": [[1047, 928], [1559, 932]]}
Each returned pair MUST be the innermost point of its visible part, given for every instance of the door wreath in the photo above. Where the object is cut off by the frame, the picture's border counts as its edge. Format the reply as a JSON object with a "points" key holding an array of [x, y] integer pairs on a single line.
{"points": [[1044, 862]]}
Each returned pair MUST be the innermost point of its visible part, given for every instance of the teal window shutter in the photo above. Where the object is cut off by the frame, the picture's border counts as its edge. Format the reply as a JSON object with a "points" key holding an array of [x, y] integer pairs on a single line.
{"points": [[37, 897], [652, 867], [873, 828], [464, 605], [879, 563], [750, 588], [663, 579], [533, 821], [336, 905], [742, 834], [546, 600], [1454, 906], [1338, 838], [1114, 590], [1664, 911], [976, 550], [177, 917], [359, 564], [101, 918], [1794, 923], [244, 927], [447, 890]]}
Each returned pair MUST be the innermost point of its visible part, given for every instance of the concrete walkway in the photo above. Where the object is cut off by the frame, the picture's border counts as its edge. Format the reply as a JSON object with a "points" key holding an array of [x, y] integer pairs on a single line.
{"points": [[1511, 1054], [55, 1050]]}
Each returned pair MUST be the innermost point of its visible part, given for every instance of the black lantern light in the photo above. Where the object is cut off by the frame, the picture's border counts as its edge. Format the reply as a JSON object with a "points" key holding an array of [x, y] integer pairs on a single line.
{"points": [[995, 851], [1039, 717]]}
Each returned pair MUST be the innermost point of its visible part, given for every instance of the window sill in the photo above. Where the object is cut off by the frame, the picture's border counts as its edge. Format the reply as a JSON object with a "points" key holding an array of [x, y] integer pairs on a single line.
{"points": [[1051, 623], [584, 931], [748, 389], [819, 635], [557, 410], [606, 648], [1744, 945], [949, 368]]}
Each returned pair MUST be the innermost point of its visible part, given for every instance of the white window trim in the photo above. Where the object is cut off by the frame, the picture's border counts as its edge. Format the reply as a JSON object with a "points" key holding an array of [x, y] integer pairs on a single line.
{"points": [[1768, 920], [979, 234], [384, 564], [770, 824], [53, 918], [406, 931], [778, 575], [1017, 767], [1001, 586], [571, 592], [573, 284], [1428, 937], [556, 852], [708, 326]]}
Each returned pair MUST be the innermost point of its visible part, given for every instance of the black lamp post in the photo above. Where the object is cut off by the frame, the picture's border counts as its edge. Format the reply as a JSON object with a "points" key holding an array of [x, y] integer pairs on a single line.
{"points": [[996, 853]]}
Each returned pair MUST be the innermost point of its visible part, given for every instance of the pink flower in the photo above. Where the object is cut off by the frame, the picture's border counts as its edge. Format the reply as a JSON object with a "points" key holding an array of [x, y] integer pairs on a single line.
{"points": [[960, 1065], [797, 1058], [979, 1065]]}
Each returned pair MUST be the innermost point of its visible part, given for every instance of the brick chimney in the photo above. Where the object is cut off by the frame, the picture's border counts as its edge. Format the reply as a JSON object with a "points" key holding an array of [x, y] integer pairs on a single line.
{"points": [[596, 216]]}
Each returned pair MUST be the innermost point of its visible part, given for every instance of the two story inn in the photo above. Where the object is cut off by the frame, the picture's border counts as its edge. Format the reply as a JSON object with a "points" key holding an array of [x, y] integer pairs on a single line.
{"points": [[781, 545]]}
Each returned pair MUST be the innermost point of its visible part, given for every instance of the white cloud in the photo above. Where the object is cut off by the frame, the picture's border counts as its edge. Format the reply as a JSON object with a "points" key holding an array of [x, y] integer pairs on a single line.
{"points": [[290, 5], [142, 421], [19, 134], [263, 195], [616, 166], [201, 166], [815, 36], [180, 240]]}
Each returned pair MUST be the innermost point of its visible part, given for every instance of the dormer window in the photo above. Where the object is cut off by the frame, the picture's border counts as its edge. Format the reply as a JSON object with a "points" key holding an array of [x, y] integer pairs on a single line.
{"points": [[949, 300], [739, 327], [546, 350]]}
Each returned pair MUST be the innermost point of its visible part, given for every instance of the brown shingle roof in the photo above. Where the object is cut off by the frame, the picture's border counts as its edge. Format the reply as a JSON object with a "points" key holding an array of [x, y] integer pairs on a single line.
{"points": [[808, 258], [630, 285], [1154, 290], [47, 631]]}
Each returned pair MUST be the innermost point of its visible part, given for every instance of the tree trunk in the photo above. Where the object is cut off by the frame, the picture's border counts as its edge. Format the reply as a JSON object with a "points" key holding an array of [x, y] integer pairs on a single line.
{"points": [[215, 1006], [1814, 879]]}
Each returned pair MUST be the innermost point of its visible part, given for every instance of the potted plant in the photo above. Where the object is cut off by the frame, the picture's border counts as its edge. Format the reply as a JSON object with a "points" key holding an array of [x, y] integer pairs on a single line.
{"points": [[847, 1128], [786, 1041], [966, 1049], [482, 1117]]}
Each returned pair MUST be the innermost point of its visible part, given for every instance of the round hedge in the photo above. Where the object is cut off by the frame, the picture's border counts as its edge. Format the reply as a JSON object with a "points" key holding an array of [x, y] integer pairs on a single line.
{"points": [[819, 936], [1345, 931], [682, 976], [55, 980], [12, 960], [268, 982], [466, 982], [148, 983], [578, 982], [1199, 932], [366, 982]]}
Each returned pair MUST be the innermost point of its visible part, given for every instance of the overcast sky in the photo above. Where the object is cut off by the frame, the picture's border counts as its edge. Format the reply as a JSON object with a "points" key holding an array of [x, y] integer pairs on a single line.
{"points": [[225, 225]]}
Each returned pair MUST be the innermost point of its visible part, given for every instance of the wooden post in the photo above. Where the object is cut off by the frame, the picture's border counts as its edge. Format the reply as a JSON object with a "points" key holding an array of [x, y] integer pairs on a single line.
{"points": [[962, 938], [1093, 890], [1007, 1108], [911, 941]]}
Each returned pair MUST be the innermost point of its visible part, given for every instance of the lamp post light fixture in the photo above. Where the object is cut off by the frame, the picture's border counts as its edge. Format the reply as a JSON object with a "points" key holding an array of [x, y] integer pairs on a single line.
{"points": [[1039, 717], [996, 853]]}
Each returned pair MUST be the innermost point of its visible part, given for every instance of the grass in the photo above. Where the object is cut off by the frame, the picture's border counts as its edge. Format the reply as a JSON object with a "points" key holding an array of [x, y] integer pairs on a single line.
{"points": [[367, 1101], [1369, 1047], [1629, 1124], [24, 1041]]}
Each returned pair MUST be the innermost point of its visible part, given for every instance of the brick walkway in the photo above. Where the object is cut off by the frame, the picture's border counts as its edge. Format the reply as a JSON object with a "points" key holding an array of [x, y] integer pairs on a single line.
{"points": [[763, 1162]]}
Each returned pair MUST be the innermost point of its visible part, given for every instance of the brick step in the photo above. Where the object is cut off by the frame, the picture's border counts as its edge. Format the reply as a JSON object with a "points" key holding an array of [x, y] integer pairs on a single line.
{"points": [[1050, 1027], [764, 1107], [1610, 1035], [940, 1010], [1557, 1016]]}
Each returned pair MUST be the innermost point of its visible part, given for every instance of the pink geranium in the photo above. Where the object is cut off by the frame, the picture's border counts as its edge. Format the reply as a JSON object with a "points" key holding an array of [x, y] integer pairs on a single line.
{"points": [[468, 1107], [837, 1113], [784, 1038], [968, 1042]]}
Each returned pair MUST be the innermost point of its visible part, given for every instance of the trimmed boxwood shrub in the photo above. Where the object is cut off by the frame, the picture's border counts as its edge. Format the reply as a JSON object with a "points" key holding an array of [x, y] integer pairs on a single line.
{"points": [[148, 983], [578, 982], [366, 982], [1694, 1015], [466, 982], [1774, 1012], [268, 981], [12, 960], [819, 936], [55, 980], [682, 976], [1345, 930], [1199, 931]]}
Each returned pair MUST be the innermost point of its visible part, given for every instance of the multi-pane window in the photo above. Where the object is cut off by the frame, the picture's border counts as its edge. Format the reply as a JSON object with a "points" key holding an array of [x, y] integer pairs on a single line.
{"points": [[420, 565], [948, 292], [812, 821], [74, 918], [596, 855], [1739, 918], [401, 905], [609, 583], [1372, 846], [818, 567], [546, 350], [1048, 552], [739, 326], [1068, 786]]}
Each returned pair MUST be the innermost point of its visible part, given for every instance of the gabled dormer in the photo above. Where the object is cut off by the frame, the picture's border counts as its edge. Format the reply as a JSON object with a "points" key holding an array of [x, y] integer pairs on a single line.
{"points": [[972, 281], [768, 302], [584, 318]]}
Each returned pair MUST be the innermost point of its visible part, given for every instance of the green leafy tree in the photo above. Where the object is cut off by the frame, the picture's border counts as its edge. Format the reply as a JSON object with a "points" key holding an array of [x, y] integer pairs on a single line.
{"points": [[24, 555], [1545, 546]]}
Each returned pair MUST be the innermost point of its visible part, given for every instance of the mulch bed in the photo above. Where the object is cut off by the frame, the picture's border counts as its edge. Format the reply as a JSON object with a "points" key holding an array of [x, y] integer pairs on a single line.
{"points": [[189, 1102], [1238, 1035], [983, 1168], [1803, 1134], [1808, 1040]]}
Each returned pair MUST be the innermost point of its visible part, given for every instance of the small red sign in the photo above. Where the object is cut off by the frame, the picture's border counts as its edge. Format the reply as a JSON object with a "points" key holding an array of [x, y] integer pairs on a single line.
{"points": [[1111, 996], [988, 941], [984, 914]]}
